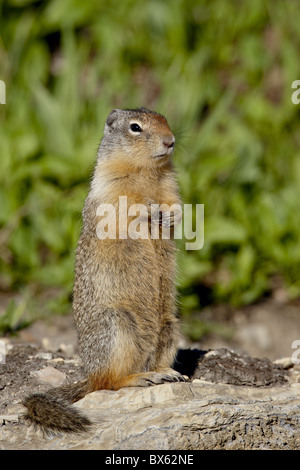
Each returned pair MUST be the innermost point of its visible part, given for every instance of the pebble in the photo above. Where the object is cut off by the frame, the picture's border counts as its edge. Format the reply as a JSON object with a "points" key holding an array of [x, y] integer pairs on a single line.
{"points": [[56, 360], [211, 353], [9, 419], [285, 362], [201, 381], [48, 356], [12, 414], [50, 375]]}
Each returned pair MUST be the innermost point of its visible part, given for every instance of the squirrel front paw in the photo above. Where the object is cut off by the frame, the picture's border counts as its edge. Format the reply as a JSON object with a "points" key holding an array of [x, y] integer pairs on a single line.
{"points": [[166, 218]]}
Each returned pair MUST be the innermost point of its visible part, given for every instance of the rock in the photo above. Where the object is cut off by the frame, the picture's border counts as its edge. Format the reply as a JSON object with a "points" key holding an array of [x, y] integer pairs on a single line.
{"points": [[50, 375], [219, 409], [13, 412], [47, 356], [9, 419], [285, 362], [182, 416], [57, 360]]}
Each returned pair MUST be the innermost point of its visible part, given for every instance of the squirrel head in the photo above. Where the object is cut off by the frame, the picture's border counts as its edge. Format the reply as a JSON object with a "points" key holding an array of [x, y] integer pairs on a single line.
{"points": [[141, 135]]}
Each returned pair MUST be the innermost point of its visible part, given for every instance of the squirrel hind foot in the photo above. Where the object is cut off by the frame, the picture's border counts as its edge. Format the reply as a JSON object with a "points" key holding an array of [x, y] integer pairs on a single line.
{"points": [[146, 379], [54, 415]]}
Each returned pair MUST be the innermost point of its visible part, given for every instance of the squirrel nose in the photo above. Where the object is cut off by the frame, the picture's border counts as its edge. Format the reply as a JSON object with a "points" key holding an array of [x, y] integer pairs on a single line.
{"points": [[169, 141]]}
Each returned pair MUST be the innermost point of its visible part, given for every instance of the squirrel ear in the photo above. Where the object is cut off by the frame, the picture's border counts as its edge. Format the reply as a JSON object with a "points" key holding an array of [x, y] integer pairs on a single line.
{"points": [[112, 117]]}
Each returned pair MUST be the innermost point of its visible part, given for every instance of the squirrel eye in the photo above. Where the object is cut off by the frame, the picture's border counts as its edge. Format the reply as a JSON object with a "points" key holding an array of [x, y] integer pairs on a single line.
{"points": [[135, 127]]}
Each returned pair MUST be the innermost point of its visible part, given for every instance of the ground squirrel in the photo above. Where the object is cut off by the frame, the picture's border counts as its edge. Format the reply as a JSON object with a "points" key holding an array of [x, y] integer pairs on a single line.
{"points": [[124, 294]]}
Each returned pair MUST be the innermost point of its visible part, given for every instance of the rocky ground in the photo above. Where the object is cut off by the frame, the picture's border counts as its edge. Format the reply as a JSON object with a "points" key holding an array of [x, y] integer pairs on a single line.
{"points": [[232, 400]]}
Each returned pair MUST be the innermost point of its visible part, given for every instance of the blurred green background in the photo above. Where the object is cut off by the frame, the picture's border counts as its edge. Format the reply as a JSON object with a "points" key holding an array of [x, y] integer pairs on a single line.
{"points": [[220, 71]]}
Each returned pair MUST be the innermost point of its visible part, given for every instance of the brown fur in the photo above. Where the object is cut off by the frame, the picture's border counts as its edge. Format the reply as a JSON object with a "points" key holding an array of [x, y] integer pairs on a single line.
{"points": [[124, 296]]}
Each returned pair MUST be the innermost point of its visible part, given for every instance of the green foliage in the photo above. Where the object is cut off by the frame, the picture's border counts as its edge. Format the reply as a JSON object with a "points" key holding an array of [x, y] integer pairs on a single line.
{"points": [[12, 319], [220, 71]]}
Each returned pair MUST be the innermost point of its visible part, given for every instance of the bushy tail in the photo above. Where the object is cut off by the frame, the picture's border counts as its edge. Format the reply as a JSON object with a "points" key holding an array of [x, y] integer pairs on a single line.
{"points": [[52, 411]]}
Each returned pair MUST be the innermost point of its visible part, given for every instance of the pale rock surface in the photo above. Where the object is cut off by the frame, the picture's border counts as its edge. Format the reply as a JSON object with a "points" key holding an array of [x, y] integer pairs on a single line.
{"points": [[234, 401], [190, 416], [50, 375]]}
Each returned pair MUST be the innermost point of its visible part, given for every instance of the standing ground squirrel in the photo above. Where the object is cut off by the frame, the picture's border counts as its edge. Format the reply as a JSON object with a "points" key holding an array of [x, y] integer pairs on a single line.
{"points": [[124, 298]]}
